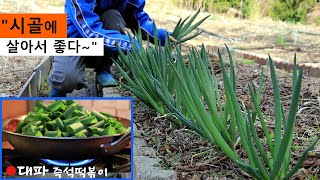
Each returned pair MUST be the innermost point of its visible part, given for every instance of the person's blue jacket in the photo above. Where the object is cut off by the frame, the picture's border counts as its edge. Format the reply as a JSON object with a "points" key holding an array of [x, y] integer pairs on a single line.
{"points": [[83, 21]]}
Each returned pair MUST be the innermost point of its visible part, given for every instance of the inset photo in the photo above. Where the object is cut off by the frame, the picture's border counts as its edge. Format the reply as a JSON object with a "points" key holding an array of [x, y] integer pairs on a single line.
{"points": [[66, 138]]}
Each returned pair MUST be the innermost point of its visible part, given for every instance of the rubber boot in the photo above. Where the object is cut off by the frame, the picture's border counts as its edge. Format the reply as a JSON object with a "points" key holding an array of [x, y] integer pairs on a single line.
{"points": [[105, 79], [56, 93]]}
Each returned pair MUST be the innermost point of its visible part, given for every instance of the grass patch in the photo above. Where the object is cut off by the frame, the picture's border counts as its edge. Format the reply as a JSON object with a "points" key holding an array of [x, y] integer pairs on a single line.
{"points": [[214, 18], [246, 61], [44, 89], [281, 40]]}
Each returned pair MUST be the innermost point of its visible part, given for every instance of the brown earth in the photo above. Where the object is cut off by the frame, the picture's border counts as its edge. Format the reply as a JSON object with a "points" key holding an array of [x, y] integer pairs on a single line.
{"points": [[32, 6], [14, 72], [260, 36], [187, 153]]}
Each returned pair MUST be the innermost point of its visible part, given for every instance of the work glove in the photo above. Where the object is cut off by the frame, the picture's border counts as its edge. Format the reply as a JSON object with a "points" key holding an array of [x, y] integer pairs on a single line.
{"points": [[172, 39], [114, 22]]}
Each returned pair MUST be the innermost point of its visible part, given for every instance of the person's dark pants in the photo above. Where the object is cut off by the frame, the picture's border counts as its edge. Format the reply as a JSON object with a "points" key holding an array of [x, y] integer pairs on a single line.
{"points": [[68, 72]]}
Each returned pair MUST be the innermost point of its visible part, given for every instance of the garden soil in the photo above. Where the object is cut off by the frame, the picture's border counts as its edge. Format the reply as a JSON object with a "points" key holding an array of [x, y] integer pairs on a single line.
{"points": [[186, 152]]}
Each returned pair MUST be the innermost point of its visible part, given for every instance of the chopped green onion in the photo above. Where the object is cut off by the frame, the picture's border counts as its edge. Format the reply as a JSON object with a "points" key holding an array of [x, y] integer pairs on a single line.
{"points": [[53, 133], [89, 120], [65, 118], [60, 124], [109, 131], [74, 128], [71, 121], [99, 124], [56, 105], [37, 133]]}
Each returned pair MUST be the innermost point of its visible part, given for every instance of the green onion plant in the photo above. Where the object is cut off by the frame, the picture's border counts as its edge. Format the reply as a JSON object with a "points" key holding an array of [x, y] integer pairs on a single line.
{"points": [[185, 26], [190, 92]]}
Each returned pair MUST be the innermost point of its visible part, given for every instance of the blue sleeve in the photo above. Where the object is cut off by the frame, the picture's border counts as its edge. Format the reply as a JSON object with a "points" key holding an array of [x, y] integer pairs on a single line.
{"points": [[88, 24], [145, 22]]}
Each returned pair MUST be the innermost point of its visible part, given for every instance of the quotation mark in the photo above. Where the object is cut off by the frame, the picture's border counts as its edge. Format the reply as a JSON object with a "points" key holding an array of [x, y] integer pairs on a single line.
{"points": [[4, 21]]}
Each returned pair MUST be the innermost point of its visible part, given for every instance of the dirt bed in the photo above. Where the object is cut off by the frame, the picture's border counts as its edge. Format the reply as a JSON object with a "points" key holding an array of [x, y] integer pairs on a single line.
{"points": [[193, 158], [14, 72], [262, 36]]}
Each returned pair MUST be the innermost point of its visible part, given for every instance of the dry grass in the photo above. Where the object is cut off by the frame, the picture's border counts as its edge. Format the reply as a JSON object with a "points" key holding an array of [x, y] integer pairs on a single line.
{"points": [[32, 6], [14, 71], [258, 36]]}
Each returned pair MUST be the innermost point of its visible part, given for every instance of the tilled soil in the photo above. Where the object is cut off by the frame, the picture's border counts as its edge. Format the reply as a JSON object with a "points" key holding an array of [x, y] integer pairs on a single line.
{"points": [[258, 36], [14, 72], [193, 158]]}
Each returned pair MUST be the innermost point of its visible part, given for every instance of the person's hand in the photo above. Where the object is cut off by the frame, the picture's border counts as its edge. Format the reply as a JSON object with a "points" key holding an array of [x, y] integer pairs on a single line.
{"points": [[174, 52], [173, 40]]}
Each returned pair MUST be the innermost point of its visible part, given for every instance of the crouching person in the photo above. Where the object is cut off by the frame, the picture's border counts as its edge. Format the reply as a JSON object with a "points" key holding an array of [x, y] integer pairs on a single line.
{"points": [[99, 19]]}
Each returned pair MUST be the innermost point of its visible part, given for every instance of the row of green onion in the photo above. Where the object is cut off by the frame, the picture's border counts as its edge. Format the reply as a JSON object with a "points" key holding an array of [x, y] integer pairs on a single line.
{"points": [[190, 93]]}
